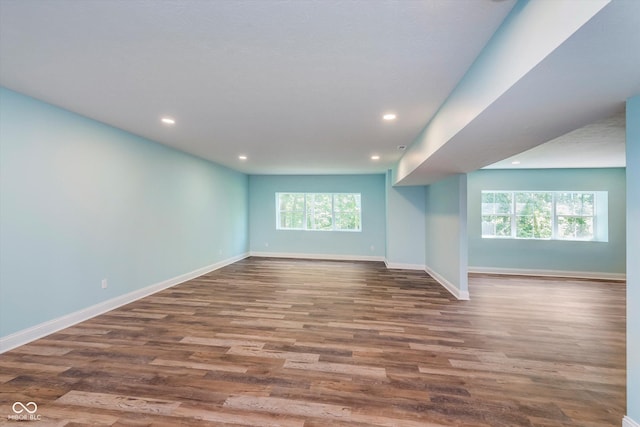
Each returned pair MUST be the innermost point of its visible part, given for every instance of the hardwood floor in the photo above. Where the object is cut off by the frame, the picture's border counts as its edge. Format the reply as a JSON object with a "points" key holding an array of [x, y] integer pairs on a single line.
{"points": [[272, 342]]}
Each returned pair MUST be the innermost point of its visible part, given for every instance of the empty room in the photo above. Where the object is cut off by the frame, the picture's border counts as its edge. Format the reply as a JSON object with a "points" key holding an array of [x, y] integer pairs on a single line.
{"points": [[301, 213]]}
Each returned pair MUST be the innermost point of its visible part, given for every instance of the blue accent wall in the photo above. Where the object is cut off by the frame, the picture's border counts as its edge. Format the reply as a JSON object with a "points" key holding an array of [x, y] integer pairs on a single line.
{"points": [[446, 232], [81, 201], [570, 256], [405, 225], [262, 217], [633, 258]]}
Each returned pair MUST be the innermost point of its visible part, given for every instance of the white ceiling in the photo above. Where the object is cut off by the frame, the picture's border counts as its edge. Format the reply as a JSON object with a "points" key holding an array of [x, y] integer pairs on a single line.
{"points": [[297, 86], [599, 144]]}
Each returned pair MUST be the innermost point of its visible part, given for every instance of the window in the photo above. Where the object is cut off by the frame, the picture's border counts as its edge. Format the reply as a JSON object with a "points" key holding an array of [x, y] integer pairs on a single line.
{"points": [[318, 211], [497, 211], [291, 211], [575, 213], [551, 215], [533, 215]]}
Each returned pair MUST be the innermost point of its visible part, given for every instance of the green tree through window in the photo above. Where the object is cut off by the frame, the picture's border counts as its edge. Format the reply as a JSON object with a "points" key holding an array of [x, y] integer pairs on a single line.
{"points": [[575, 213], [347, 211], [319, 211], [533, 215], [497, 209], [291, 211], [563, 215]]}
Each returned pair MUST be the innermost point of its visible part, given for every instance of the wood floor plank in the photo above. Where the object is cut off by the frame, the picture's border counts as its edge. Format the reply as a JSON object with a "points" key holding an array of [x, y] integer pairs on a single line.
{"points": [[234, 418], [339, 368], [288, 406], [273, 354], [298, 343], [221, 342], [118, 402], [201, 366]]}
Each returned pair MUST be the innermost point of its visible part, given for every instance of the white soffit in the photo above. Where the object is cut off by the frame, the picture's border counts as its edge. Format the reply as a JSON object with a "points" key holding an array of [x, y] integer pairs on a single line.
{"points": [[586, 78], [512, 54]]}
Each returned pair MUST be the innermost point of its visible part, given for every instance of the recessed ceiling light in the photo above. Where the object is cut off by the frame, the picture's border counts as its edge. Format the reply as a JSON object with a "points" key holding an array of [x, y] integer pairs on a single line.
{"points": [[389, 116], [515, 162], [168, 121], [375, 157], [242, 157]]}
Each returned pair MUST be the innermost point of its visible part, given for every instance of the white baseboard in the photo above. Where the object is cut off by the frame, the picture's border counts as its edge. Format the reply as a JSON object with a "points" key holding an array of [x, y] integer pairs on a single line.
{"points": [[46, 328], [628, 422], [453, 289], [402, 266], [330, 257], [551, 273]]}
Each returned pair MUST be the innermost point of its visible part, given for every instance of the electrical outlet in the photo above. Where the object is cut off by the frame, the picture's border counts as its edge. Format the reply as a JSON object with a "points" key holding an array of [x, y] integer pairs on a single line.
{"points": [[266, 245], [373, 248], [104, 283]]}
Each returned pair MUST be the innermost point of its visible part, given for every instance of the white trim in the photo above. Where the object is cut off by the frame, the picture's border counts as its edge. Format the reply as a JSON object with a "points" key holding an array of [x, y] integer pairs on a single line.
{"points": [[628, 422], [331, 257], [552, 273], [43, 329], [402, 266], [453, 289]]}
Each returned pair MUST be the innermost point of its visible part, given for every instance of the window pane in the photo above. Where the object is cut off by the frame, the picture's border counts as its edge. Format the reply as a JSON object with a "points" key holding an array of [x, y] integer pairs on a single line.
{"points": [[533, 215], [347, 221], [319, 212], [496, 202], [575, 203], [496, 226], [572, 227], [298, 204], [292, 220], [284, 201], [291, 210], [530, 203], [347, 203], [291, 201], [347, 211]]}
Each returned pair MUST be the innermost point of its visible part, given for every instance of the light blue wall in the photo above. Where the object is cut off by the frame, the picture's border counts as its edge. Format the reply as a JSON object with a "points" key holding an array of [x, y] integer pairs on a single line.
{"points": [[633, 258], [81, 201], [405, 225], [262, 216], [603, 257], [446, 231]]}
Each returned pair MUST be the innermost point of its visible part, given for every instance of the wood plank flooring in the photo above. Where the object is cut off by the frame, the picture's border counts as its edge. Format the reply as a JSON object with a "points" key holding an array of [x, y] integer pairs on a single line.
{"points": [[295, 343]]}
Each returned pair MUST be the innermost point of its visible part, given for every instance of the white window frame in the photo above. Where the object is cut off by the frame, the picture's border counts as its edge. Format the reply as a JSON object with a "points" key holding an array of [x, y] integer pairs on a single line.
{"points": [[333, 213], [600, 216]]}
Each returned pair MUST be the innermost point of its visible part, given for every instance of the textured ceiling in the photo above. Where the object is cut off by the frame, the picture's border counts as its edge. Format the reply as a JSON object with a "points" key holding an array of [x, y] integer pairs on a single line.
{"points": [[599, 144], [297, 86]]}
